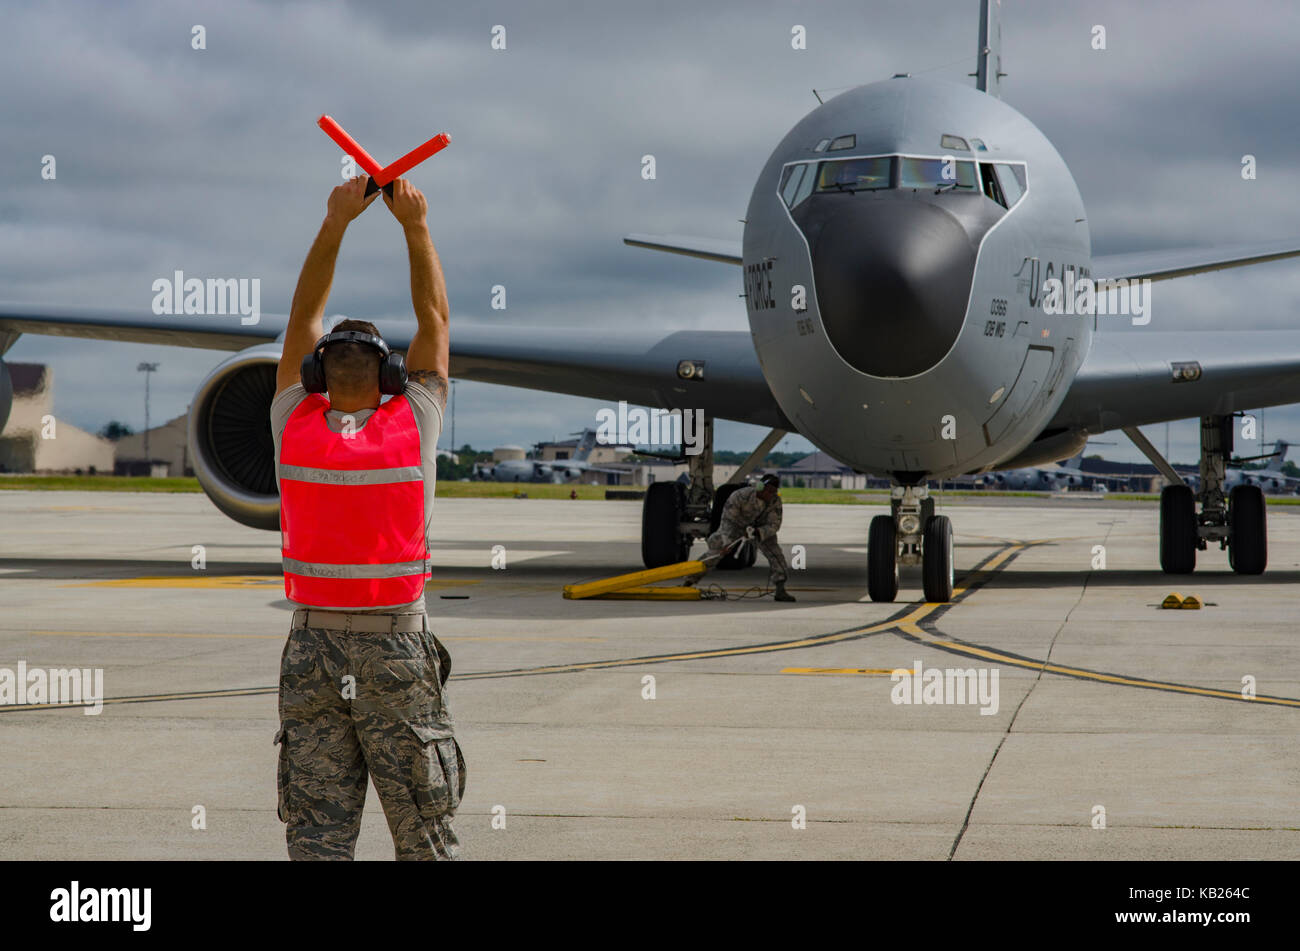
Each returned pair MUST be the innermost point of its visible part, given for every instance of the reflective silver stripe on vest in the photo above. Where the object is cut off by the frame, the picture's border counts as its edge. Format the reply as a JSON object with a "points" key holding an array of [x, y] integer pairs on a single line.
{"points": [[317, 570], [351, 476]]}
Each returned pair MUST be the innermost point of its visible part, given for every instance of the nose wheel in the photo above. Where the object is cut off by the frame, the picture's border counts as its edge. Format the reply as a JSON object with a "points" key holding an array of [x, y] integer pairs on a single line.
{"points": [[936, 559], [911, 535], [882, 559]]}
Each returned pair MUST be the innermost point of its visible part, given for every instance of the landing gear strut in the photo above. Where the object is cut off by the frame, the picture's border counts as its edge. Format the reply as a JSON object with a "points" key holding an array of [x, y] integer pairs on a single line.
{"points": [[1236, 521], [910, 535]]}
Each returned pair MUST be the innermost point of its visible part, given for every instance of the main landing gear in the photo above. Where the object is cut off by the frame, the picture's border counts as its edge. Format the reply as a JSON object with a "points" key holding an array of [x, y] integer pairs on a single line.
{"points": [[910, 535], [1236, 521], [674, 514]]}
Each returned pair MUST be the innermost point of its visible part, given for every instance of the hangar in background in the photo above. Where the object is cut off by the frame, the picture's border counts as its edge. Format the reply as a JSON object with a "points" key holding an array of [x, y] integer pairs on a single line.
{"points": [[169, 453], [33, 440]]}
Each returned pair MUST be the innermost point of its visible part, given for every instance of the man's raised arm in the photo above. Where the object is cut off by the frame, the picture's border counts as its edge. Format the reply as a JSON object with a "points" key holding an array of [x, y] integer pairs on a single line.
{"points": [[427, 358], [306, 314]]}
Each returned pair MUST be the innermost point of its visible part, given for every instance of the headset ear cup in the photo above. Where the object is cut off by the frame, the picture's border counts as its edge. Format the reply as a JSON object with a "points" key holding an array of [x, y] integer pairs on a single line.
{"points": [[392, 375], [313, 373]]}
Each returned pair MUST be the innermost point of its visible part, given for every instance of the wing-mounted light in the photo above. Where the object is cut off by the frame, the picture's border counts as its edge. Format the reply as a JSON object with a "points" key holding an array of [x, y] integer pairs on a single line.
{"points": [[690, 370]]}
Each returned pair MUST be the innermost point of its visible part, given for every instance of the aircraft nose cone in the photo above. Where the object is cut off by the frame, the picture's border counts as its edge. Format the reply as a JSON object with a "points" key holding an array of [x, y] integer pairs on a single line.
{"points": [[893, 281]]}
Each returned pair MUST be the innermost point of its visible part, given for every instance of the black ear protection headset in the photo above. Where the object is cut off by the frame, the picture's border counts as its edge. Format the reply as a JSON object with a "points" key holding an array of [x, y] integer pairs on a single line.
{"points": [[392, 368]]}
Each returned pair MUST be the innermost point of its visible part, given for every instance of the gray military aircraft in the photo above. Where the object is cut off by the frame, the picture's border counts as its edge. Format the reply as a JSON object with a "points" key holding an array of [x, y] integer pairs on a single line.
{"points": [[897, 256], [1065, 476], [1271, 479], [546, 470]]}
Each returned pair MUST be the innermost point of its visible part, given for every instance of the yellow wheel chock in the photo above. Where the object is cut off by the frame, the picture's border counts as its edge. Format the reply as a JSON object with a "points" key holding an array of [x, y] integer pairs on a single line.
{"points": [[635, 585]]}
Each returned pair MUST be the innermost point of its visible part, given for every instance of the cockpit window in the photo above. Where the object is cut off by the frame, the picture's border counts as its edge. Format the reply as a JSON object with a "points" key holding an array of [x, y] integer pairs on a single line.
{"points": [[793, 175], [1010, 183], [953, 142], [843, 142], [806, 186], [797, 183], [930, 173], [1002, 182], [851, 175]]}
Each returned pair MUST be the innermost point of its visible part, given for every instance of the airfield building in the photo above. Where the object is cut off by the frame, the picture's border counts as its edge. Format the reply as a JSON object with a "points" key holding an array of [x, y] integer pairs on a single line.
{"points": [[35, 441], [819, 471], [168, 451]]}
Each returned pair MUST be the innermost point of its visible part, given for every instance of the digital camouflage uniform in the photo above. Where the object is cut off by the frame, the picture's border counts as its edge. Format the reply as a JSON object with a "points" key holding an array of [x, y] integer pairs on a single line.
{"points": [[397, 729], [745, 509]]}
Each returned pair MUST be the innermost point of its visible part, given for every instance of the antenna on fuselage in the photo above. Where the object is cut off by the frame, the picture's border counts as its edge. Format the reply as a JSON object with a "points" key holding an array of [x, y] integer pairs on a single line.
{"points": [[988, 58]]}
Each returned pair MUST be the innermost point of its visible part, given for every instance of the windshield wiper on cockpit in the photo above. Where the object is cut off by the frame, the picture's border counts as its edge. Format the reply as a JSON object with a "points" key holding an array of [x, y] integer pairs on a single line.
{"points": [[850, 187]]}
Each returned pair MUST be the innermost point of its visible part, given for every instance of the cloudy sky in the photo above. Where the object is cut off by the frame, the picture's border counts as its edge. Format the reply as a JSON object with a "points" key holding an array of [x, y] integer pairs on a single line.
{"points": [[209, 161]]}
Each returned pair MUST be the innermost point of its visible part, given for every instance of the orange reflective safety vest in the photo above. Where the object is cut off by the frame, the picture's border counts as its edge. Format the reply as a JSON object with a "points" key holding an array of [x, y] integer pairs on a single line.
{"points": [[352, 530]]}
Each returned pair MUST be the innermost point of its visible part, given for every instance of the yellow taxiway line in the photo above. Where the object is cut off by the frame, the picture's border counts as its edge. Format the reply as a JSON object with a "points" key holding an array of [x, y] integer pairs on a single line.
{"points": [[984, 653]]}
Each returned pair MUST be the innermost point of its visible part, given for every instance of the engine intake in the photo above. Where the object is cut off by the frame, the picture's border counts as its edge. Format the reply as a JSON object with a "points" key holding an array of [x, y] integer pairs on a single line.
{"points": [[230, 437]]}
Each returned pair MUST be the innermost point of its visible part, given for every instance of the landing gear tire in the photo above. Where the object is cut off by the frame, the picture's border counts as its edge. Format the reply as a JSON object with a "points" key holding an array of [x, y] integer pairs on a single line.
{"points": [[936, 559], [882, 559], [1178, 530], [661, 514], [1247, 538]]}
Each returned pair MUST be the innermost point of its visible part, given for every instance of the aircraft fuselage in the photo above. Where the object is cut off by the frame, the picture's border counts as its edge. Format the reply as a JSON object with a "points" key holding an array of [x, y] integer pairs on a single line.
{"points": [[893, 278]]}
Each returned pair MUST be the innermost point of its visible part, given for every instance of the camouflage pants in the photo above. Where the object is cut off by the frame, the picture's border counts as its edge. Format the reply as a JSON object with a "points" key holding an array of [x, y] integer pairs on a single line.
{"points": [[354, 705], [728, 531]]}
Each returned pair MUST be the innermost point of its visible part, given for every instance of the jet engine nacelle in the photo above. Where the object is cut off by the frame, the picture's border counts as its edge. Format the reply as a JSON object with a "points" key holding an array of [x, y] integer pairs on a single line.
{"points": [[230, 437]]}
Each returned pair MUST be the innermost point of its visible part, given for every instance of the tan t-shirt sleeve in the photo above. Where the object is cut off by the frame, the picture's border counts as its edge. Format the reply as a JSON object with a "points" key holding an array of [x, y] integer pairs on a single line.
{"points": [[282, 408], [428, 419]]}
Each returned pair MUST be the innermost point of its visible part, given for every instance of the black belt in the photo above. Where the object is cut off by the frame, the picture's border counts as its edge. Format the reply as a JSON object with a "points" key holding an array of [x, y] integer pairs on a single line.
{"points": [[358, 623]]}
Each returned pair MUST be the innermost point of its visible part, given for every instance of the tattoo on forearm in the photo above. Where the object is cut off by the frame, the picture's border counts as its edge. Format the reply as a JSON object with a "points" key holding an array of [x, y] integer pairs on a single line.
{"points": [[433, 381]]}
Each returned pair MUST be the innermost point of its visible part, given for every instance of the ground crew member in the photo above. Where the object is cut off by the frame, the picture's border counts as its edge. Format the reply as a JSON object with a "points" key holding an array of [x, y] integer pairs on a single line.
{"points": [[757, 507], [362, 677]]}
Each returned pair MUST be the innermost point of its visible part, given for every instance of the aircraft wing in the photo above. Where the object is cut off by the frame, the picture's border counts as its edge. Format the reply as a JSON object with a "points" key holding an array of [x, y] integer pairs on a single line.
{"points": [[710, 249], [208, 332], [1179, 262], [1128, 378], [639, 366]]}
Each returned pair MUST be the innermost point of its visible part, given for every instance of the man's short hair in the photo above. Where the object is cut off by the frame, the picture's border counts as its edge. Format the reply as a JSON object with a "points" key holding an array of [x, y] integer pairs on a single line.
{"points": [[771, 480], [351, 367]]}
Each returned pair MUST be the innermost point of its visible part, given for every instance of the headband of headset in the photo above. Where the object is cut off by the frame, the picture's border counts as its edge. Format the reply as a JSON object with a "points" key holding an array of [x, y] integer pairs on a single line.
{"points": [[392, 368]]}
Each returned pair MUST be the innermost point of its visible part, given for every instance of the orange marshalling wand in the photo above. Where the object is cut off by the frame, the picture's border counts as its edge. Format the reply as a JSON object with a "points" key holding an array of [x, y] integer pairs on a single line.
{"points": [[381, 177]]}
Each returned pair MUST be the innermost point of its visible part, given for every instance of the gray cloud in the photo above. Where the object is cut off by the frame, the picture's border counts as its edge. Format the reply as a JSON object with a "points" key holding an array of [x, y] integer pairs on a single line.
{"points": [[210, 161]]}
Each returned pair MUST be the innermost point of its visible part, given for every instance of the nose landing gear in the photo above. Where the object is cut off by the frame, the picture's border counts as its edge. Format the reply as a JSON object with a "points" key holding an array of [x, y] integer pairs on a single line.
{"points": [[910, 535]]}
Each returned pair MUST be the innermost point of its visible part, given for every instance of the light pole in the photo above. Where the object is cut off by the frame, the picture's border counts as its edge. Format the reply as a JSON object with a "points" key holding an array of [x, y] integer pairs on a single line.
{"points": [[146, 369], [453, 417]]}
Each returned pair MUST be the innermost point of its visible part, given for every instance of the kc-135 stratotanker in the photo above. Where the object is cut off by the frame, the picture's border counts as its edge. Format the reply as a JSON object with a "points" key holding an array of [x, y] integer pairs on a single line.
{"points": [[897, 258]]}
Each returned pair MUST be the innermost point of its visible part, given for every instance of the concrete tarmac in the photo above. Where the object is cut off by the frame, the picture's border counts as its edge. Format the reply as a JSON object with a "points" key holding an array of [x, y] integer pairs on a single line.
{"points": [[1109, 712]]}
